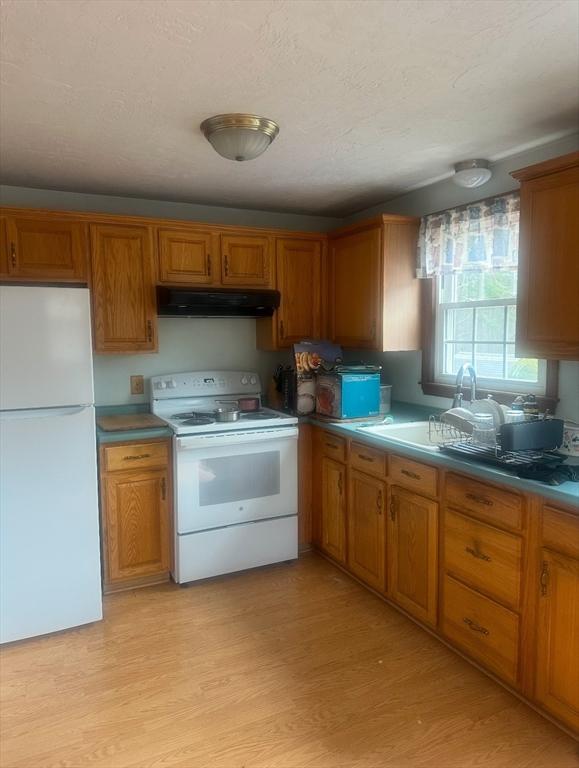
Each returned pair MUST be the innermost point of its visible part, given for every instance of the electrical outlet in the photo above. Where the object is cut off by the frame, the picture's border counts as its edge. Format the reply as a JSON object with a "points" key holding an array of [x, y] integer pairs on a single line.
{"points": [[137, 385]]}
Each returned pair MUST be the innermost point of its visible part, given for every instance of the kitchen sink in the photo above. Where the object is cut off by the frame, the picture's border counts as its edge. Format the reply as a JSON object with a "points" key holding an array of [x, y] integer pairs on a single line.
{"points": [[415, 433]]}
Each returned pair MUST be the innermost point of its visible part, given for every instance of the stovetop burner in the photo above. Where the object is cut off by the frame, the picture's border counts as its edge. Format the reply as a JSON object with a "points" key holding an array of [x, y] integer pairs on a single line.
{"points": [[197, 421]]}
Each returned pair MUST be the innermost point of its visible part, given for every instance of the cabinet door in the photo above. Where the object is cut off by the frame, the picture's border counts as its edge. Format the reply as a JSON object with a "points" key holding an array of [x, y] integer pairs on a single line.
{"points": [[334, 509], [123, 289], [136, 525], [547, 306], [47, 249], [3, 248], [367, 529], [185, 257], [355, 295], [413, 554], [299, 264], [246, 261], [557, 682]]}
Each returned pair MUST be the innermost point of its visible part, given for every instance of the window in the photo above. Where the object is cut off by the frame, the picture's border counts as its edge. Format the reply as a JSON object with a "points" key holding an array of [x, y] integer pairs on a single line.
{"points": [[468, 258], [475, 323]]}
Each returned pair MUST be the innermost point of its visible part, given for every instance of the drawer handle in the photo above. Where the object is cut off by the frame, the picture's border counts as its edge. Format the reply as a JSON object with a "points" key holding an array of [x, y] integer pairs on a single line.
{"points": [[137, 457], [365, 458], [476, 627], [479, 499], [333, 446], [410, 474], [476, 553]]}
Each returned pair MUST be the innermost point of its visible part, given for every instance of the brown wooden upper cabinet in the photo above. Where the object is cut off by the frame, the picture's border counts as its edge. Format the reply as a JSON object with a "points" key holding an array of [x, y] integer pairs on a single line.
{"points": [[373, 292], [45, 248], [547, 306], [247, 260], [187, 256], [3, 248], [123, 289], [298, 269]]}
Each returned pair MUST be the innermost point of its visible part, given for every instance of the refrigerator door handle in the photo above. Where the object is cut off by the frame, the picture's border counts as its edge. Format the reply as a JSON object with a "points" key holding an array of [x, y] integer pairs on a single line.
{"points": [[43, 413]]}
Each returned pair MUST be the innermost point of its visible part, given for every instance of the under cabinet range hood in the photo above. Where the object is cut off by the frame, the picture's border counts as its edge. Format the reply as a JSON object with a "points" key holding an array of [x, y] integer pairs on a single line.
{"points": [[222, 302]]}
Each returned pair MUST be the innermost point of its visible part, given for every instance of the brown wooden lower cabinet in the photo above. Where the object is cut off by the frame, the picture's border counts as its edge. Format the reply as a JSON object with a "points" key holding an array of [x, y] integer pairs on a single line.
{"points": [[135, 514], [333, 540], [504, 589], [413, 554], [367, 529], [557, 677]]}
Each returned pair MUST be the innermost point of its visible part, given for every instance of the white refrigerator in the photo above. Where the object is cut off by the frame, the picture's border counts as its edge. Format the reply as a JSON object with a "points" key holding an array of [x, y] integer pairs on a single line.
{"points": [[50, 576]]}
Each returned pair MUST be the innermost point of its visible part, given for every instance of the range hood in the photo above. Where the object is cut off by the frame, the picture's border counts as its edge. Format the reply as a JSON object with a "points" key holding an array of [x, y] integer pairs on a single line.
{"points": [[222, 302]]}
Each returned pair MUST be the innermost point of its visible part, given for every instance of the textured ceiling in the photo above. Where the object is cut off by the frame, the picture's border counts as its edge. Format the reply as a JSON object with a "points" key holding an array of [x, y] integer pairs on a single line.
{"points": [[373, 98]]}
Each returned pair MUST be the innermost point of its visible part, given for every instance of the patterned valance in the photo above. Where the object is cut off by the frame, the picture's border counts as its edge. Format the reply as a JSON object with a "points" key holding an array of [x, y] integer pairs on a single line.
{"points": [[481, 236]]}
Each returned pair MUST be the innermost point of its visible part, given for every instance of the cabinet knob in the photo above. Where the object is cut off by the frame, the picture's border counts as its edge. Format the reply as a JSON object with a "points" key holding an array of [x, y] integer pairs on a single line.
{"points": [[379, 502], [226, 265], [149, 330], [13, 255], [393, 508]]}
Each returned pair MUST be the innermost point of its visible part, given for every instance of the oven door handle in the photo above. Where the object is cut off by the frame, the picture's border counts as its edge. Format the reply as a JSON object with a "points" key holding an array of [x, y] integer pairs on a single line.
{"points": [[220, 441]]}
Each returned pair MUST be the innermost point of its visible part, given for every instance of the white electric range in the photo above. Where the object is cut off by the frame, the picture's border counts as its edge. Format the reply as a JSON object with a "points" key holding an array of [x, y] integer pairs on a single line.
{"points": [[235, 482]]}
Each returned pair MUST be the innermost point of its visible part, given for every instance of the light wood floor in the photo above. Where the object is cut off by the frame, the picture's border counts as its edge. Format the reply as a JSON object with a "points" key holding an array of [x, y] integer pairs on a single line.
{"points": [[294, 666]]}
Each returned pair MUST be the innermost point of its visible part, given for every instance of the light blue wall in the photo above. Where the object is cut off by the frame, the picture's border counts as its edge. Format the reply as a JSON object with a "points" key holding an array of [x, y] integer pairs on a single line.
{"points": [[163, 209], [403, 369], [185, 344]]}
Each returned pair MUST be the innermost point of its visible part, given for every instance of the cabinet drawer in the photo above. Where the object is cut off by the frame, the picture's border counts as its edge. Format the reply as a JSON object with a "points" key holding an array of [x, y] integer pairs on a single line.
{"points": [[491, 504], [485, 557], [411, 474], [560, 531], [367, 459], [482, 628], [135, 456], [334, 446]]}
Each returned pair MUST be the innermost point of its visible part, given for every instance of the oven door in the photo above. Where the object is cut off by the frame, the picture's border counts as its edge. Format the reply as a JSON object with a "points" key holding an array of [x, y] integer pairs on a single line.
{"points": [[237, 478]]}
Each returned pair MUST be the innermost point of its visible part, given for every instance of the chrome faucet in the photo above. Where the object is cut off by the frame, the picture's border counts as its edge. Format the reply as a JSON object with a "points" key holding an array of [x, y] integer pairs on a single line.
{"points": [[463, 370]]}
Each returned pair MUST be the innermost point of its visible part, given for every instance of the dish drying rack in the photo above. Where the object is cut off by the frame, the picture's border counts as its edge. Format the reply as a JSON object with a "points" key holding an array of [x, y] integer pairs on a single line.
{"points": [[454, 442]]}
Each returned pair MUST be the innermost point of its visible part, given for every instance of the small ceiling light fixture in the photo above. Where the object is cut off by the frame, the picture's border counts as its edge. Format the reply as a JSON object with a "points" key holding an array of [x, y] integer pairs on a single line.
{"points": [[239, 136], [472, 173]]}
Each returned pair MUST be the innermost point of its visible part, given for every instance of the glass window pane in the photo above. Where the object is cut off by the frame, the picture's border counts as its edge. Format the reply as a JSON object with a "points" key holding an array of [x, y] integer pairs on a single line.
{"points": [[490, 323], [455, 355], [488, 361], [227, 479], [500, 285], [511, 322], [521, 368], [459, 324], [445, 289], [469, 286]]}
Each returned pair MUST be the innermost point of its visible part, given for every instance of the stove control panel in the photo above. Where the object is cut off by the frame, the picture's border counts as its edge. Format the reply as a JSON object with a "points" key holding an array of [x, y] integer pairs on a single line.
{"points": [[205, 384]]}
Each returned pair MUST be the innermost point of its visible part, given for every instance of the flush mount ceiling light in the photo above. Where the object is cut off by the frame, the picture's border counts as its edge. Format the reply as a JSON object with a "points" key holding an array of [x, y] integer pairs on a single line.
{"points": [[239, 136], [472, 173]]}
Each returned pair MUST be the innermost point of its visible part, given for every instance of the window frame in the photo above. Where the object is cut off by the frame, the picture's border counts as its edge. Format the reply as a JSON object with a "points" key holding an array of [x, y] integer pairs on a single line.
{"points": [[431, 386]]}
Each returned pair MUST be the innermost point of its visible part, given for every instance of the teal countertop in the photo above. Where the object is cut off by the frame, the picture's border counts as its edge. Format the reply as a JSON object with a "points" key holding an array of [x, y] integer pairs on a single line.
{"points": [[566, 493], [128, 434]]}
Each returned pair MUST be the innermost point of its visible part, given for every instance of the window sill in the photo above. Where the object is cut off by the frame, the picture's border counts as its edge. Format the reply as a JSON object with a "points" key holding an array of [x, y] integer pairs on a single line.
{"points": [[505, 398]]}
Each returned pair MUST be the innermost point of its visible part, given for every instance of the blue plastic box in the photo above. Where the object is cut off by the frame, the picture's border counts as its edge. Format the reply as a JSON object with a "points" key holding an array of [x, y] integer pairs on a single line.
{"points": [[348, 395]]}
